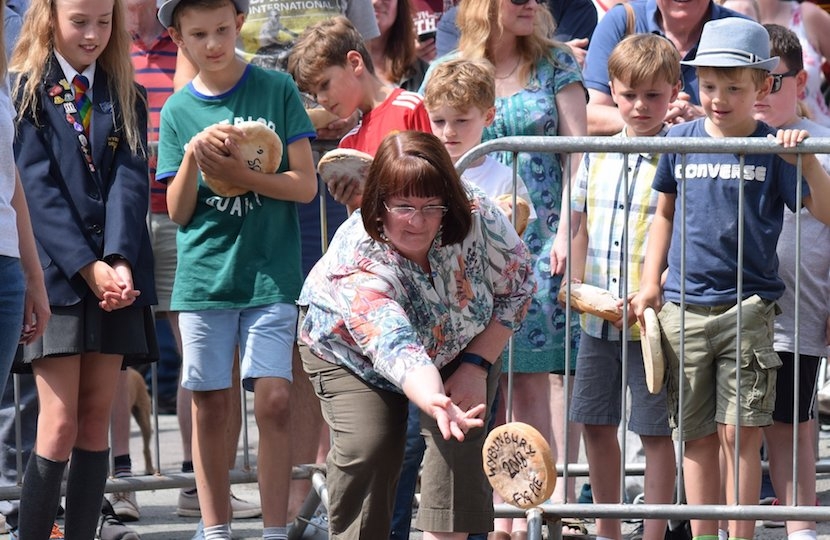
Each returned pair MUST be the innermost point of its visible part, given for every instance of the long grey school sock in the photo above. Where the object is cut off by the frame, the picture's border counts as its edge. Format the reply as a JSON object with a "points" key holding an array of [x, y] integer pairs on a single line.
{"points": [[40, 496], [84, 491]]}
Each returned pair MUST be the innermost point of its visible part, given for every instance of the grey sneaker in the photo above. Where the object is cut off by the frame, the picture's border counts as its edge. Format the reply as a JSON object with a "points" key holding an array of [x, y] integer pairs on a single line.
{"points": [[125, 505], [111, 527], [188, 506], [243, 509]]}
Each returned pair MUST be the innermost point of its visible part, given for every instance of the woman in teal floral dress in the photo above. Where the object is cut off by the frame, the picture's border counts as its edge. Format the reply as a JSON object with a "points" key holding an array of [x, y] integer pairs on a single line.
{"points": [[539, 92]]}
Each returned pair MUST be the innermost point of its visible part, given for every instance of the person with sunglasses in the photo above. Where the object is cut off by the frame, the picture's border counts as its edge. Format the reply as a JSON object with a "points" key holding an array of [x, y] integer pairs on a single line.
{"points": [[780, 109], [419, 291], [810, 23], [575, 22]]}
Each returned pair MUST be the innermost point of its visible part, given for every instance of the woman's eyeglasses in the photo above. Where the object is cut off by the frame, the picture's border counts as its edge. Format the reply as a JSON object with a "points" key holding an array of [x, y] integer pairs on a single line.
{"points": [[408, 212], [778, 79]]}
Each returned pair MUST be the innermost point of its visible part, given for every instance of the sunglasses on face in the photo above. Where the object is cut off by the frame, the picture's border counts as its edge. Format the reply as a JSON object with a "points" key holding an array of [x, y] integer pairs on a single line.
{"points": [[523, 2], [778, 79]]}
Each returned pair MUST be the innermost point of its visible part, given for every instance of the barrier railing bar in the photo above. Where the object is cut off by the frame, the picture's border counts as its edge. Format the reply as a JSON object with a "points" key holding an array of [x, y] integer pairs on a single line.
{"points": [[672, 511]]}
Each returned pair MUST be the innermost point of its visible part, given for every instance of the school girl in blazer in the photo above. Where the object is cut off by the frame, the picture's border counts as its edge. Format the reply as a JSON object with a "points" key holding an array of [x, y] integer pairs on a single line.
{"points": [[82, 161], [84, 210]]}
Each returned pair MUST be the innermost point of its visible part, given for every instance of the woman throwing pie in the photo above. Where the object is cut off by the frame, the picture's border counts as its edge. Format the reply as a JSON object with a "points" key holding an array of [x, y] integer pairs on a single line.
{"points": [[415, 299]]}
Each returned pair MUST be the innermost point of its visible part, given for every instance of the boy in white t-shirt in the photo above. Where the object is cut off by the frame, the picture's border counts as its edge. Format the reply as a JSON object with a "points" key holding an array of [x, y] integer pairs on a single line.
{"points": [[460, 98]]}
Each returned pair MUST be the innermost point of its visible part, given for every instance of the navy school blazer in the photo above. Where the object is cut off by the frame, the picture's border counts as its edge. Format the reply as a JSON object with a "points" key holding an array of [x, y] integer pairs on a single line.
{"points": [[81, 215]]}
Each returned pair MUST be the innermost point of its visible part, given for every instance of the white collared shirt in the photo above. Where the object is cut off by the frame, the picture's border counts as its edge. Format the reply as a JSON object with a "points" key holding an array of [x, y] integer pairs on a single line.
{"points": [[69, 72]]}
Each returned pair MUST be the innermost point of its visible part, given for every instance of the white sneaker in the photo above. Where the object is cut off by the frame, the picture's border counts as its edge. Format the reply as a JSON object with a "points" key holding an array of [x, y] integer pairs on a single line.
{"points": [[242, 509], [125, 505], [189, 506]]}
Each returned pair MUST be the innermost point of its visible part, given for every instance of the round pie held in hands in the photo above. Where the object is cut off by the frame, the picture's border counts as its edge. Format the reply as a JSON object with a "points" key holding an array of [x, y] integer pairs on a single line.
{"points": [[262, 150]]}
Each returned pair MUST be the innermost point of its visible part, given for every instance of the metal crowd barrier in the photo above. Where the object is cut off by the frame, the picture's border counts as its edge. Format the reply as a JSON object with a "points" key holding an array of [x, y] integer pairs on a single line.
{"points": [[546, 513], [653, 145]]}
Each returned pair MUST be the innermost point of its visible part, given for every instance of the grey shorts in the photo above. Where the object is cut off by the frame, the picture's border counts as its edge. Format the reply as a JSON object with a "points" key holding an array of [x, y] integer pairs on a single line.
{"points": [[598, 388]]}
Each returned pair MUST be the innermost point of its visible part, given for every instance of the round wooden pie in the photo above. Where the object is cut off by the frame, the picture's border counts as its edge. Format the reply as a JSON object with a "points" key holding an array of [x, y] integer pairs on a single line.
{"points": [[653, 361], [519, 465], [344, 162]]}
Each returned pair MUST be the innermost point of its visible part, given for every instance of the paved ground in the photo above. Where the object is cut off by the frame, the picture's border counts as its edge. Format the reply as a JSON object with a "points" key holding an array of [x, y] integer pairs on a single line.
{"points": [[158, 508]]}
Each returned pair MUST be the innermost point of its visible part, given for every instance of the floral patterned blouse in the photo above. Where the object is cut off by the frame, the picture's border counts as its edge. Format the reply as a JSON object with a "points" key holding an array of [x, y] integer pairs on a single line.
{"points": [[380, 315]]}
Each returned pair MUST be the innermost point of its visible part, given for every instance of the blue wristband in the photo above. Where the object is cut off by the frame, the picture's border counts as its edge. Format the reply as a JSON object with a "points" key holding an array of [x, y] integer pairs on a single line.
{"points": [[477, 360]]}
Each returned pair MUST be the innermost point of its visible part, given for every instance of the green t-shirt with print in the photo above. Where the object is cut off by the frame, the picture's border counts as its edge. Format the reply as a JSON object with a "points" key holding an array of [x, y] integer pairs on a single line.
{"points": [[243, 251]]}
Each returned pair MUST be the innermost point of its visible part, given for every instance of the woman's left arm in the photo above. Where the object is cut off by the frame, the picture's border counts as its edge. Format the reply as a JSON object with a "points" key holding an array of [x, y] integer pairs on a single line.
{"points": [[573, 120], [511, 275]]}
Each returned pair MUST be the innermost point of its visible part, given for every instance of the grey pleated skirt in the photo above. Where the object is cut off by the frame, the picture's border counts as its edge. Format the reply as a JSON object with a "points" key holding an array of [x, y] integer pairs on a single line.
{"points": [[85, 327]]}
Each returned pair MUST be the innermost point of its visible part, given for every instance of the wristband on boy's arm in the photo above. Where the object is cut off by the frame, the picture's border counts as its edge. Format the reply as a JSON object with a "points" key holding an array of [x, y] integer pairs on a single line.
{"points": [[475, 359]]}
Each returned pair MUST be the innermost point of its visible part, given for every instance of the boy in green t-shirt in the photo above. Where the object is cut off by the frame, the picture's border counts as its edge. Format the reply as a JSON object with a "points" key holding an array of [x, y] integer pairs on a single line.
{"points": [[239, 271]]}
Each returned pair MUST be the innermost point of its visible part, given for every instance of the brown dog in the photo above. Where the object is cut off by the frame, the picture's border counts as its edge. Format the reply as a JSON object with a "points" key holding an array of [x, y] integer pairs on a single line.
{"points": [[140, 407]]}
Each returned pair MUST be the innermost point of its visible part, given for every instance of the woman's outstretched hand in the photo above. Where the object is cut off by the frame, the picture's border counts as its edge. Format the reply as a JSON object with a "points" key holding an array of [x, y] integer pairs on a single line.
{"points": [[452, 420]]}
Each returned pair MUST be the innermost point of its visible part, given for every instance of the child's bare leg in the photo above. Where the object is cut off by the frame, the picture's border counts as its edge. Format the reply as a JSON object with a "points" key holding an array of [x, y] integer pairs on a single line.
{"points": [[306, 421], [702, 479], [271, 406], [659, 481], [748, 464], [210, 453], [779, 437], [120, 417], [559, 425], [235, 416], [603, 452], [184, 397]]}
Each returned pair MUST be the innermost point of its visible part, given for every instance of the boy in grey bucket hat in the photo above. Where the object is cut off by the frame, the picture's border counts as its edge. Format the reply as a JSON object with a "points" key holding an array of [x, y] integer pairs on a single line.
{"points": [[733, 66], [733, 42]]}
